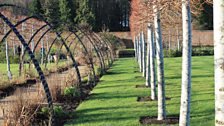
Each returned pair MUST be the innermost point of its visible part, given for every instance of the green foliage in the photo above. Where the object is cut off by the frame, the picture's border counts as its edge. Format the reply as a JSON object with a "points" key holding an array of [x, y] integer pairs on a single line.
{"points": [[58, 111], [84, 13], [72, 91], [203, 51], [196, 51], [52, 13], [172, 53], [44, 110], [98, 71], [126, 53], [205, 18], [36, 7], [66, 8]]}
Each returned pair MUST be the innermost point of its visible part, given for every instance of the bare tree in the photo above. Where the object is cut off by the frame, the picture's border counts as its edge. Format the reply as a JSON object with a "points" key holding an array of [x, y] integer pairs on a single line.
{"points": [[186, 65]]}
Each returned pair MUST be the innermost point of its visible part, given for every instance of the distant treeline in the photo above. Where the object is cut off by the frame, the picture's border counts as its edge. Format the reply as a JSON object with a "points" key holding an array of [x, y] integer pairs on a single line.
{"points": [[112, 15]]}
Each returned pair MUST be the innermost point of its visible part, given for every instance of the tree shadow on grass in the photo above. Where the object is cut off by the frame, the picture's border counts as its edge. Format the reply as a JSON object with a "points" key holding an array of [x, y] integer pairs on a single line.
{"points": [[83, 118], [108, 96], [115, 73]]}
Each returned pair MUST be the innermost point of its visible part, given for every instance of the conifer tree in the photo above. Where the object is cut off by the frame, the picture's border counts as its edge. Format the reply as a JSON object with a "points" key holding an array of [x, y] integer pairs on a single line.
{"points": [[52, 13], [84, 13], [36, 7], [66, 7]]}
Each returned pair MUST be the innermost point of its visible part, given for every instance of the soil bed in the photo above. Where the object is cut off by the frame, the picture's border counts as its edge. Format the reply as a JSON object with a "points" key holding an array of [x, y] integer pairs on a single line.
{"points": [[153, 120]]}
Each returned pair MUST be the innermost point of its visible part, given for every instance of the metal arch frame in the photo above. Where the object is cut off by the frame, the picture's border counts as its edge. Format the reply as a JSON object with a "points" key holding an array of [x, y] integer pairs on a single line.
{"points": [[96, 50], [59, 37], [34, 49], [95, 36], [74, 41], [85, 49], [59, 50], [109, 46], [49, 50], [17, 24], [100, 51], [37, 67], [41, 37], [90, 60], [105, 43]]}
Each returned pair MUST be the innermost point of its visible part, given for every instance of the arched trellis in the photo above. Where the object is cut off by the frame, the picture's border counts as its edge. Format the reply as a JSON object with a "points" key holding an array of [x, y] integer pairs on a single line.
{"points": [[35, 61], [99, 43], [58, 37], [109, 45], [37, 66], [59, 50], [84, 47], [104, 44], [90, 59], [101, 59]]}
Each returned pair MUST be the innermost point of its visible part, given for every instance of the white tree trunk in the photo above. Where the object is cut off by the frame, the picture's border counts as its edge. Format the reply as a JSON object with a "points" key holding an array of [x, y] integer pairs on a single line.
{"points": [[186, 65], [219, 61], [136, 42], [48, 56], [143, 55], [160, 66], [152, 68], [7, 54], [140, 53], [148, 60]]}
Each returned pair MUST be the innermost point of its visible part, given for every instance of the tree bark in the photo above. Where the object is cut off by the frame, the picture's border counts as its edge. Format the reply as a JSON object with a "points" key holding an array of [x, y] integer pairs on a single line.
{"points": [[160, 66], [143, 55], [148, 72], [152, 62], [186, 65], [135, 48], [9, 74], [219, 60], [140, 53]]}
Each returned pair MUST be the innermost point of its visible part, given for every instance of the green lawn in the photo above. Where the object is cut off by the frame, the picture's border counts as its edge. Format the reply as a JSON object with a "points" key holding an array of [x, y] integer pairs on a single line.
{"points": [[113, 101]]}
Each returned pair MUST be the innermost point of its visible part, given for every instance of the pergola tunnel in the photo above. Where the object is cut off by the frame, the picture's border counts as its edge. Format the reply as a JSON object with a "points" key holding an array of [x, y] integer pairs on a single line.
{"points": [[77, 58]]}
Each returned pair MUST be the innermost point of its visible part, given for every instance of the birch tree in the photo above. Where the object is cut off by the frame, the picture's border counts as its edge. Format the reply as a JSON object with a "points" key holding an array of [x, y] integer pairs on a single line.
{"points": [[140, 53], [160, 65], [143, 55], [218, 6], [152, 62], [7, 54], [186, 65]]}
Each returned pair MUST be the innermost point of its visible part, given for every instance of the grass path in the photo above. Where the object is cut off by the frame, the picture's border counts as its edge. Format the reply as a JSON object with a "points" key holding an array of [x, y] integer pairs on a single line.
{"points": [[113, 100]]}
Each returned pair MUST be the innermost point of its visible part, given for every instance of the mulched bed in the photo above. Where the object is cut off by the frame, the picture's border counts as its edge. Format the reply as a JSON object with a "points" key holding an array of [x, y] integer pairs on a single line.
{"points": [[153, 120], [147, 98], [68, 104]]}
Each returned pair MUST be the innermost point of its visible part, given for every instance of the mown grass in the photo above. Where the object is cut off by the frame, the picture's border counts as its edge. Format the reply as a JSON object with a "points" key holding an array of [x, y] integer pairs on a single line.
{"points": [[113, 101]]}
